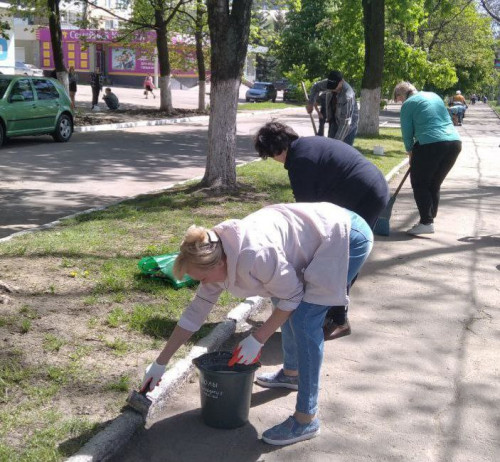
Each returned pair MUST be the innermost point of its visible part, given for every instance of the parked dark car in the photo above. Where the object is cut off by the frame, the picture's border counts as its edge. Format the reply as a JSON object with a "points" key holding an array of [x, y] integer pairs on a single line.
{"points": [[34, 106], [281, 84], [262, 91]]}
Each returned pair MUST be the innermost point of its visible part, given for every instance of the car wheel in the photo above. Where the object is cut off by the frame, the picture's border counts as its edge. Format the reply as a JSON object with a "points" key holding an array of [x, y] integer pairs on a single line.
{"points": [[274, 99], [248, 100], [64, 129]]}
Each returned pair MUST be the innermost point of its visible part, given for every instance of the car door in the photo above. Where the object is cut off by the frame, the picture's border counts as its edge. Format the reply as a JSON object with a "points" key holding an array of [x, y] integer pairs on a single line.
{"points": [[47, 102], [21, 110]]}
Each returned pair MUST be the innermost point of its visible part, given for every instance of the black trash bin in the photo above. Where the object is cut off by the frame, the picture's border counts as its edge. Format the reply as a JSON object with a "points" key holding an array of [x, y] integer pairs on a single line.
{"points": [[225, 391]]}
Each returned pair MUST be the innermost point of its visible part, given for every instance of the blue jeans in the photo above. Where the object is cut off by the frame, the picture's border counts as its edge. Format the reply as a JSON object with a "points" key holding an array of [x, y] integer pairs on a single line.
{"points": [[302, 334]]}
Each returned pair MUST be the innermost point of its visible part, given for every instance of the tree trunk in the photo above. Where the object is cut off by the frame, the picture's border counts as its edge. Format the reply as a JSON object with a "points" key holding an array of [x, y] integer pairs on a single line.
{"points": [[200, 58], [202, 90], [56, 41], [163, 62], [221, 165], [229, 24], [374, 29]]}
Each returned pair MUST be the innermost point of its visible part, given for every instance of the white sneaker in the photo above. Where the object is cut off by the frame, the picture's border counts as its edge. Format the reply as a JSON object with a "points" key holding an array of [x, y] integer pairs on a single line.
{"points": [[420, 228]]}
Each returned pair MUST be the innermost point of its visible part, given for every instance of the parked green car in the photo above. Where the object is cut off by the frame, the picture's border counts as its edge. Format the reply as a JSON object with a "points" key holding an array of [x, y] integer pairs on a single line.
{"points": [[34, 106]]}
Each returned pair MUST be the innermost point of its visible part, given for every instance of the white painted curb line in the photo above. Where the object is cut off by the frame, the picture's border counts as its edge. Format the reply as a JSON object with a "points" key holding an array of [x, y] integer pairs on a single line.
{"points": [[158, 122], [109, 441]]}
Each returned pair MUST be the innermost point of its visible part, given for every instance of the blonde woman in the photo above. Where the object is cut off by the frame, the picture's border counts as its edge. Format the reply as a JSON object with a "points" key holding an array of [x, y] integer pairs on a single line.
{"points": [[433, 144], [299, 255]]}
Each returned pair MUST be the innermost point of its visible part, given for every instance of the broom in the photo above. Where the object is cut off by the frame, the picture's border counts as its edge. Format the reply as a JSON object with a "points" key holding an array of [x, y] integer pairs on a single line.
{"points": [[382, 227], [310, 115]]}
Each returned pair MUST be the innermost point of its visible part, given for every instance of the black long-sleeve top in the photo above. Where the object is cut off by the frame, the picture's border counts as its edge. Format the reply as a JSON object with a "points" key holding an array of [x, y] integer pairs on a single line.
{"points": [[327, 170]]}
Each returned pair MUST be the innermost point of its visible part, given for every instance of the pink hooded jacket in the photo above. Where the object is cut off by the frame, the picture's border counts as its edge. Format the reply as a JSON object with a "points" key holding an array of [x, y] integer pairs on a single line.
{"points": [[292, 252]]}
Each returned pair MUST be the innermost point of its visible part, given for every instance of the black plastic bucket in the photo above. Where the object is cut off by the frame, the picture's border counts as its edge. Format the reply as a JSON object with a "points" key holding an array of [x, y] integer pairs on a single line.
{"points": [[225, 391]]}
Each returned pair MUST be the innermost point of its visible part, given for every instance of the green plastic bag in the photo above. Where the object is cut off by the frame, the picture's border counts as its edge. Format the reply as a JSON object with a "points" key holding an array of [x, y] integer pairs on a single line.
{"points": [[161, 267]]}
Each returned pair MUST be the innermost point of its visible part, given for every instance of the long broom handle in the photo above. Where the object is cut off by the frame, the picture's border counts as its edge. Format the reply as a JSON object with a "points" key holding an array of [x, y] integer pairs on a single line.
{"points": [[402, 182], [310, 114]]}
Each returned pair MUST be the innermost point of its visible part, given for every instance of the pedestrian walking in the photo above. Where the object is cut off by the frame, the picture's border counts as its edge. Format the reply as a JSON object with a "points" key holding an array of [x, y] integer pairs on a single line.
{"points": [[149, 86], [96, 86], [326, 170], [300, 255], [341, 106], [433, 145], [73, 80]]}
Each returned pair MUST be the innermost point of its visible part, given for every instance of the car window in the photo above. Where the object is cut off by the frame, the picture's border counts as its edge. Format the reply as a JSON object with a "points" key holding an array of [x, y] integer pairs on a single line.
{"points": [[4, 83], [22, 87], [259, 86], [45, 89]]}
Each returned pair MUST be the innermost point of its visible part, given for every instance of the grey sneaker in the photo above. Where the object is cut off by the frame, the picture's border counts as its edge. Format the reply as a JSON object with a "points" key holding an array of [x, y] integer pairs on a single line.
{"points": [[420, 228], [290, 431], [278, 380]]}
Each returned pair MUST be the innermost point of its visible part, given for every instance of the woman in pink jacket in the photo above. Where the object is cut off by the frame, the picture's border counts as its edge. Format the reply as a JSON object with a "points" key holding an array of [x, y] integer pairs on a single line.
{"points": [[300, 255], [149, 86]]}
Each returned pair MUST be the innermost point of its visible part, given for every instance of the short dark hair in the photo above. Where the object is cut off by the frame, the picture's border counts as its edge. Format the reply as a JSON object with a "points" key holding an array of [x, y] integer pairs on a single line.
{"points": [[108, 89], [273, 138], [334, 78]]}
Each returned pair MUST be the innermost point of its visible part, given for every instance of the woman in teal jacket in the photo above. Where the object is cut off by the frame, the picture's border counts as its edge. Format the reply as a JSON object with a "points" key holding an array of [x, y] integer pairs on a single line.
{"points": [[433, 145]]}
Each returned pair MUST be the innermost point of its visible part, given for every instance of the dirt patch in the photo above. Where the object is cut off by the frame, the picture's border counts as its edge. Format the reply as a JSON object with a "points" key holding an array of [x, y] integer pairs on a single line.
{"points": [[61, 354], [86, 117]]}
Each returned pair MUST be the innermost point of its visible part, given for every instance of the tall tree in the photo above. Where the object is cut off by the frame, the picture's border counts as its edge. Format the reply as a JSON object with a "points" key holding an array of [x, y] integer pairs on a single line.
{"points": [[229, 24], [151, 15], [192, 20], [374, 28], [46, 9]]}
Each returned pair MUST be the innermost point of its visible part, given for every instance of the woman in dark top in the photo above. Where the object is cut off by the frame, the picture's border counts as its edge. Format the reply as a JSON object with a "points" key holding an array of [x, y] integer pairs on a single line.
{"points": [[73, 79], [326, 170]]}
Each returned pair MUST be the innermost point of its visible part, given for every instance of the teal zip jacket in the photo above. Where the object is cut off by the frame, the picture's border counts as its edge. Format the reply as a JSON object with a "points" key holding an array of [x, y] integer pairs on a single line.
{"points": [[424, 118]]}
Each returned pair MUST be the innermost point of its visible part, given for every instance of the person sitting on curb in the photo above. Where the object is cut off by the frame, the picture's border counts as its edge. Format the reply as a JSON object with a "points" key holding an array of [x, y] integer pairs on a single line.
{"points": [[299, 255], [111, 100], [324, 169]]}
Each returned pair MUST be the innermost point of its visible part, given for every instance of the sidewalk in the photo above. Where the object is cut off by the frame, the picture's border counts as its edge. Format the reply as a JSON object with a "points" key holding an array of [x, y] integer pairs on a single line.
{"points": [[418, 380], [133, 98]]}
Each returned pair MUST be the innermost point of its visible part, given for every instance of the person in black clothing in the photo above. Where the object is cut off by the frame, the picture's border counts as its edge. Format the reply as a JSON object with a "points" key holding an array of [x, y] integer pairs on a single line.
{"points": [[73, 80], [96, 85], [326, 170]]}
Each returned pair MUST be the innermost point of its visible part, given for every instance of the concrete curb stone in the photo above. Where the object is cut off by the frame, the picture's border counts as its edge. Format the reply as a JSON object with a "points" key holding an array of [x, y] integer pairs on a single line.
{"points": [[109, 441], [158, 122]]}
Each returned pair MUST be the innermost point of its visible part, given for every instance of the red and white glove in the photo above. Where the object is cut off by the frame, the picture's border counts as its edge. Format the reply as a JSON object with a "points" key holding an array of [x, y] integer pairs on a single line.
{"points": [[152, 376], [247, 352]]}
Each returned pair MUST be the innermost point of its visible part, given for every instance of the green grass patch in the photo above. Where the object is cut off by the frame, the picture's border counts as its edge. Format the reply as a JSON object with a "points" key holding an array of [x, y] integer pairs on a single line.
{"points": [[52, 343], [264, 105], [116, 311]]}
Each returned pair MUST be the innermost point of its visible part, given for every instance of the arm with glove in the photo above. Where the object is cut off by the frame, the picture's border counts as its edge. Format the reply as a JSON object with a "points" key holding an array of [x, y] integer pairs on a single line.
{"points": [[155, 371], [278, 276], [249, 349]]}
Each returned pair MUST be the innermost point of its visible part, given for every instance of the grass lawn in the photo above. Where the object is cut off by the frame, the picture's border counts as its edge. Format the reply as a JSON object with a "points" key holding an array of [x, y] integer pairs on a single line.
{"points": [[82, 323]]}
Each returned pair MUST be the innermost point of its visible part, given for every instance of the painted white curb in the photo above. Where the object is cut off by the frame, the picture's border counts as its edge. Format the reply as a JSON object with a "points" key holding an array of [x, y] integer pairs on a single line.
{"points": [[109, 441], [158, 122]]}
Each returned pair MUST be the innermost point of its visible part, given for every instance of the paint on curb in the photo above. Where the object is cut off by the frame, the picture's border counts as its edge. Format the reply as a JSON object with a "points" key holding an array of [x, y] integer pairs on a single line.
{"points": [[109, 441]]}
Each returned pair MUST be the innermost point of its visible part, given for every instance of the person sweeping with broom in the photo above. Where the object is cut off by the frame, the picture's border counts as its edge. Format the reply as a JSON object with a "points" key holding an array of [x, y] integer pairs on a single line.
{"points": [[324, 169], [433, 145]]}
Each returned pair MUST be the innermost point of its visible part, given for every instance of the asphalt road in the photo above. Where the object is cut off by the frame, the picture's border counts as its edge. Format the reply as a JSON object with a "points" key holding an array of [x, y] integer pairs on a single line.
{"points": [[42, 181]]}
